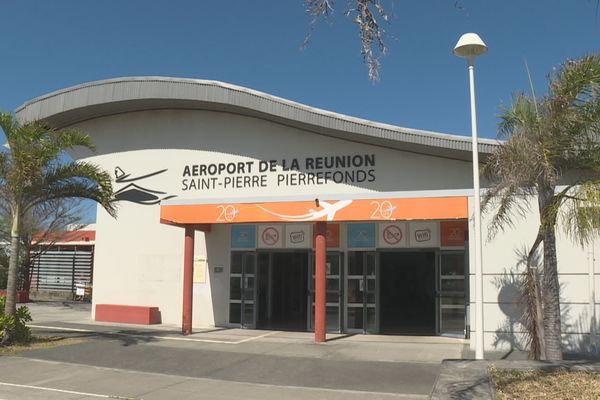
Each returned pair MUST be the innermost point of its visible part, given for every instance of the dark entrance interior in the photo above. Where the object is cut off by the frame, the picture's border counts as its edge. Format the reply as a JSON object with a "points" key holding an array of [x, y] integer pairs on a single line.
{"points": [[407, 290], [283, 290]]}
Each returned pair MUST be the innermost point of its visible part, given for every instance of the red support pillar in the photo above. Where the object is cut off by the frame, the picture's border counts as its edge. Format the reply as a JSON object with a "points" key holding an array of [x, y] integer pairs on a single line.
{"points": [[188, 278], [320, 277]]}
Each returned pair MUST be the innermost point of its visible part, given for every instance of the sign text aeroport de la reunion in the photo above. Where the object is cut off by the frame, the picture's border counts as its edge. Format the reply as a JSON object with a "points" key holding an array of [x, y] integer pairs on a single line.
{"points": [[345, 169]]}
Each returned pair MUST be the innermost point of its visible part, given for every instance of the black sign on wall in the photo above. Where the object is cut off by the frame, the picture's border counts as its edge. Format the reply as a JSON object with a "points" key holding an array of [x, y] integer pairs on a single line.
{"points": [[135, 193]]}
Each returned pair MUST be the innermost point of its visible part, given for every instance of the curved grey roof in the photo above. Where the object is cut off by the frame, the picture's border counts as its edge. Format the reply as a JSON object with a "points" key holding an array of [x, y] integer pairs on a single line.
{"points": [[113, 96]]}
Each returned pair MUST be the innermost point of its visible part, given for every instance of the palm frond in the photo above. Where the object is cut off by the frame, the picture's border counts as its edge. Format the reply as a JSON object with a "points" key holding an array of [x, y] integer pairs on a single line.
{"points": [[36, 145], [79, 180], [580, 214], [574, 83], [522, 115], [8, 124], [508, 206]]}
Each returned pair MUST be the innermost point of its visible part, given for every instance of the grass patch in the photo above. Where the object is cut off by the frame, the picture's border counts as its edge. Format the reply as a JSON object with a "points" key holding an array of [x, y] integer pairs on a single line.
{"points": [[534, 384], [40, 343]]}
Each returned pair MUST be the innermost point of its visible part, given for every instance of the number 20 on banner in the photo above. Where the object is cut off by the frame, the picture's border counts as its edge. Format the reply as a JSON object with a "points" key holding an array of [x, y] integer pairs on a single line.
{"points": [[383, 209], [226, 213]]}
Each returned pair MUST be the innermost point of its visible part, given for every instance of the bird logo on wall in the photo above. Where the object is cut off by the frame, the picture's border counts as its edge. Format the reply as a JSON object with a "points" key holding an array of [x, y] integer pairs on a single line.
{"points": [[137, 194]]}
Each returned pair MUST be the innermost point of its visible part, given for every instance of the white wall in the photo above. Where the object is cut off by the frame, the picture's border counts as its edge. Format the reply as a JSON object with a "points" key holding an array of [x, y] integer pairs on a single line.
{"points": [[138, 261], [579, 277], [172, 139]]}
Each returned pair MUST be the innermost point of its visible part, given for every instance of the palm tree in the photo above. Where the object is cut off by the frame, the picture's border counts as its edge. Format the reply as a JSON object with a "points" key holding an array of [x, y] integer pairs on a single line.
{"points": [[552, 153], [33, 172]]}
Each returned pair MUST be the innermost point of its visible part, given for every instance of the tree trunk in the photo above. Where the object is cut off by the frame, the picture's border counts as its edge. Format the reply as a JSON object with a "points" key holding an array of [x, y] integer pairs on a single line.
{"points": [[534, 314], [550, 287], [552, 328], [10, 307], [539, 321], [534, 317]]}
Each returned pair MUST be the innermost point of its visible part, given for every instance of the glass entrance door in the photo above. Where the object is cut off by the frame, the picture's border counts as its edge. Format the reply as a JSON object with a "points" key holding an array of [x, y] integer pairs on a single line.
{"points": [[334, 292], [282, 290], [242, 289], [361, 289], [451, 293]]}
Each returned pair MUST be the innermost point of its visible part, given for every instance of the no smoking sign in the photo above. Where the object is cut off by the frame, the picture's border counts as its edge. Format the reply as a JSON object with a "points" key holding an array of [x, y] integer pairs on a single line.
{"points": [[392, 234], [270, 236]]}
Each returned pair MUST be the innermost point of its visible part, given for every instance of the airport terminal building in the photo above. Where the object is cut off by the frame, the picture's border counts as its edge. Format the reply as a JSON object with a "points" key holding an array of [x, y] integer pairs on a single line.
{"points": [[223, 190]]}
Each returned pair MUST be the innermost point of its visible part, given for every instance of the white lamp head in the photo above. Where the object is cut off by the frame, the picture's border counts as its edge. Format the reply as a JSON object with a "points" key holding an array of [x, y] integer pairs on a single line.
{"points": [[470, 46]]}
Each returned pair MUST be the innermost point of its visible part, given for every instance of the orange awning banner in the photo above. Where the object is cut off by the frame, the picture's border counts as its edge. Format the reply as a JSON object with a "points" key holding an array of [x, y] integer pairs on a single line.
{"points": [[425, 208]]}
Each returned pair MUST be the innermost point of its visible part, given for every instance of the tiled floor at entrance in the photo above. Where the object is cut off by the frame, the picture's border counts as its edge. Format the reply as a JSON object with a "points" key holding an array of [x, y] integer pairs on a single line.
{"points": [[383, 348], [52, 318]]}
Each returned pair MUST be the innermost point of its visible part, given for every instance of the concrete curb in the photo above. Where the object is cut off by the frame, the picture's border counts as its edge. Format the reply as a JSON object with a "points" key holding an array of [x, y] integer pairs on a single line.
{"points": [[470, 379], [462, 380], [575, 365]]}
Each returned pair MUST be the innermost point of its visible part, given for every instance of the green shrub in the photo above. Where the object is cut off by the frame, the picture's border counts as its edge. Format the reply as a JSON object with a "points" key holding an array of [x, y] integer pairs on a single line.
{"points": [[15, 324]]}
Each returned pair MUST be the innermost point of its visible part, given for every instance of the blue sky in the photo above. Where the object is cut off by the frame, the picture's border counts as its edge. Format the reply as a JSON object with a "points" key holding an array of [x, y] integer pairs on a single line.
{"points": [[49, 45]]}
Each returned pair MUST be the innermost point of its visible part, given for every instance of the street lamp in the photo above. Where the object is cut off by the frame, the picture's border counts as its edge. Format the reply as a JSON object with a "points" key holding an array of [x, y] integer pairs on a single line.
{"points": [[470, 46]]}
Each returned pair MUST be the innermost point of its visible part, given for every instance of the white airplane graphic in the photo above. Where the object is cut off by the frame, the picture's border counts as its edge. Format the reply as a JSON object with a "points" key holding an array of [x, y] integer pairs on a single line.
{"points": [[328, 210]]}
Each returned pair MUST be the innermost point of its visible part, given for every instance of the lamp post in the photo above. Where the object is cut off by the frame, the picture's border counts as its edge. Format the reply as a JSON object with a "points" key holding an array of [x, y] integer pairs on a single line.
{"points": [[470, 46]]}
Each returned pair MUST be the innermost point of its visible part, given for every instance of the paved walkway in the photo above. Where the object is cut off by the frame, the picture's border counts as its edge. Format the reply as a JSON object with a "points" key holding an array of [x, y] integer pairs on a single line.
{"points": [[144, 362], [26, 378], [156, 362]]}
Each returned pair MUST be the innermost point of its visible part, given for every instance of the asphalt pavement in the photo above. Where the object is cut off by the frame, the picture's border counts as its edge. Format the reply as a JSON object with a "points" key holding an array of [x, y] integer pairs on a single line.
{"points": [[142, 362], [120, 361]]}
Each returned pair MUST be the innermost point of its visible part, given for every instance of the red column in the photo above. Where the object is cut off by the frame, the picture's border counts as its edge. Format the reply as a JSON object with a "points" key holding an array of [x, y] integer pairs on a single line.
{"points": [[320, 276], [188, 278]]}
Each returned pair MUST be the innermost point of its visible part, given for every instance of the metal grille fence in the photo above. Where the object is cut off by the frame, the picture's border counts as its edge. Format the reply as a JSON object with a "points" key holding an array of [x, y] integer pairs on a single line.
{"points": [[61, 270]]}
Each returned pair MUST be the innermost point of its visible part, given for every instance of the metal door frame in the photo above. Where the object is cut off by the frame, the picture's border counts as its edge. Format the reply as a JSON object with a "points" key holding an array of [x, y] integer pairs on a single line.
{"points": [[311, 280], [243, 286], [438, 271], [347, 277]]}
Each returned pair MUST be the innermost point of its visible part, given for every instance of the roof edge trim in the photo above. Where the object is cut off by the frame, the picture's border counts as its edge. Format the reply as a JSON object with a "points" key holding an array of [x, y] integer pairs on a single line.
{"points": [[66, 102]]}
